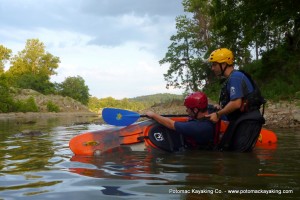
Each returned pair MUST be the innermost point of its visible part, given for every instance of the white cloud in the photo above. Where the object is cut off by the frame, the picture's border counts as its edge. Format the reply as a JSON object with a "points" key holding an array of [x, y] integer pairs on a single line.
{"points": [[114, 45], [122, 70]]}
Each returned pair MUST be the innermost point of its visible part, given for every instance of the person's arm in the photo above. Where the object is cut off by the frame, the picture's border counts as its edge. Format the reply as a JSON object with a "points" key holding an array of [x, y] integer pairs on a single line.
{"points": [[229, 108], [167, 122]]}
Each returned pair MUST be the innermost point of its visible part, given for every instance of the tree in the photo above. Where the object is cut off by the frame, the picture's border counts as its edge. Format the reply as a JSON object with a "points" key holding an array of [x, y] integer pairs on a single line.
{"points": [[5, 54], [33, 62], [75, 88], [261, 24], [37, 82], [6, 100], [185, 54], [240, 25]]}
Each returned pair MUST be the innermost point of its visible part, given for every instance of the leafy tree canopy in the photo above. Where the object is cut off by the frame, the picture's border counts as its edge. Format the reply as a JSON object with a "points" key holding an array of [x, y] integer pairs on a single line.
{"points": [[34, 59], [267, 29], [32, 63], [32, 68], [5, 54], [75, 88]]}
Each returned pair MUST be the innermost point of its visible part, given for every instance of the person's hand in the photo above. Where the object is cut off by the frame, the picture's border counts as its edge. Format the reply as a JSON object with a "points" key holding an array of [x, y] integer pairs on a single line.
{"points": [[150, 114], [213, 117]]}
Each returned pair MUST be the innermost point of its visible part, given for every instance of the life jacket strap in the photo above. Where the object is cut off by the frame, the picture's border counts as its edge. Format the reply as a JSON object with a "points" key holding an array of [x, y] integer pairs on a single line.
{"points": [[217, 133]]}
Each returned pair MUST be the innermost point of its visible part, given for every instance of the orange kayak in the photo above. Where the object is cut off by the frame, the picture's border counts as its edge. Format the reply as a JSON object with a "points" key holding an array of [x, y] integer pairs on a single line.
{"points": [[149, 132]]}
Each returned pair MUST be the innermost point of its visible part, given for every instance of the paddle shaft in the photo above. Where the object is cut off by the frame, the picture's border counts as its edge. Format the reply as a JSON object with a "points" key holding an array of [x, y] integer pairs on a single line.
{"points": [[179, 115]]}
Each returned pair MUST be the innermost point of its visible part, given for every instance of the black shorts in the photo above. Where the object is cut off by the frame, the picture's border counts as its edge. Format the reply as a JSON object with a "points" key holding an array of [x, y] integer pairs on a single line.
{"points": [[241, 137]]}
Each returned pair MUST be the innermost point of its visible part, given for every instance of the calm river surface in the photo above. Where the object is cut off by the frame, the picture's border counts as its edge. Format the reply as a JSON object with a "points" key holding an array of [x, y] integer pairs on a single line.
{"points": [[41, 166]]}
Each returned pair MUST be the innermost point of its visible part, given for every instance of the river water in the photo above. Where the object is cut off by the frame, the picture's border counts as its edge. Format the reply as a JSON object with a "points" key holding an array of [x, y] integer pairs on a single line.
{"points": [[40, 165]]}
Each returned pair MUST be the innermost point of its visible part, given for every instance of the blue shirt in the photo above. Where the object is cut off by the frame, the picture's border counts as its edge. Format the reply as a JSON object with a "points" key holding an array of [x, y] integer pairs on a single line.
{"points": [[238, 85], [201, 131]]}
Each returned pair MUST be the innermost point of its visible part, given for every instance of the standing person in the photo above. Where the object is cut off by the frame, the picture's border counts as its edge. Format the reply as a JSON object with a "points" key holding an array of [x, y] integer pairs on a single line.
{"points": [[199, 129], [240, 101]]}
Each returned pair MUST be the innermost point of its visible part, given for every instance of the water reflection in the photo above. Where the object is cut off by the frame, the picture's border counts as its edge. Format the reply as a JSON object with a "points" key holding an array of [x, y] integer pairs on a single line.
{"points": [[120, 163], [190, 169], [27, 146], [41, 166], [187, 171]]}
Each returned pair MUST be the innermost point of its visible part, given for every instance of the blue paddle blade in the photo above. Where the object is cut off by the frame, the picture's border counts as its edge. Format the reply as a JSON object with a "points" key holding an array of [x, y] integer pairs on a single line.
{"points": [[119, 117]]}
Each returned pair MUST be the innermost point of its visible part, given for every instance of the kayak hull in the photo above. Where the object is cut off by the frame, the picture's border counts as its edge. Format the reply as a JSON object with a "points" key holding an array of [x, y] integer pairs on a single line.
{"points": [[149, 132]]}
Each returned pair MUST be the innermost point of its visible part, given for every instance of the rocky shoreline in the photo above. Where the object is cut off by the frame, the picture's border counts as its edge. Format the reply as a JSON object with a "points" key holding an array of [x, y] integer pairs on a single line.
{"points": [[277, 115], [281, 114], [43, 115]]}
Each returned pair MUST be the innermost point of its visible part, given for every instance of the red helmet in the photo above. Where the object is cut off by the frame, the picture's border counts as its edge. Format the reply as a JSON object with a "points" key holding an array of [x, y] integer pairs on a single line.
{"points": [[196, 100]]}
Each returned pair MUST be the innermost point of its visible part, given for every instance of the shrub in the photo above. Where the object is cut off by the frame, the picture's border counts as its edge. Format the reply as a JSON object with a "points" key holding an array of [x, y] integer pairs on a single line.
{"points": [[27, 105], [52, 107]]}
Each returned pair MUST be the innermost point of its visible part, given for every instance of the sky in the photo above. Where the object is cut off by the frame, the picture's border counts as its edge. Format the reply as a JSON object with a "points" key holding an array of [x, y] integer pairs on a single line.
{"points": [[114, 45]]}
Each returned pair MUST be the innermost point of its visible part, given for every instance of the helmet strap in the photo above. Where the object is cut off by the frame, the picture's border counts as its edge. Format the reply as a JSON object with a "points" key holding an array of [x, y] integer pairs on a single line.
{"points": [[223, 70], [195, 113]]}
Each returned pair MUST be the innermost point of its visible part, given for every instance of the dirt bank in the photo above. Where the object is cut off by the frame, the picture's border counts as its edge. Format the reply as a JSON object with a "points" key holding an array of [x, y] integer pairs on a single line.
{"points": [[65, 104], [68, 107]]}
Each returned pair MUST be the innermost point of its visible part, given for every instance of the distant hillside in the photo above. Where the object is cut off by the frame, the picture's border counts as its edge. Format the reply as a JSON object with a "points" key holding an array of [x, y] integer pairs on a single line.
{"points": [[136, 104], [157, 98]]}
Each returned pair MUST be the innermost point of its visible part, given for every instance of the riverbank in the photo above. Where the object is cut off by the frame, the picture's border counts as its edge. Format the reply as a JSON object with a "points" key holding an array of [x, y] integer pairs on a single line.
{"points": [[282, 114], [67, 107], [277, 114], [44, 115]]}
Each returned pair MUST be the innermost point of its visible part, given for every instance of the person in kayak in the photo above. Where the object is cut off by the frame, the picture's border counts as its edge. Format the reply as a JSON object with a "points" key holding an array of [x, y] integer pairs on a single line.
{"points": [[199, 130], [240, 101]]}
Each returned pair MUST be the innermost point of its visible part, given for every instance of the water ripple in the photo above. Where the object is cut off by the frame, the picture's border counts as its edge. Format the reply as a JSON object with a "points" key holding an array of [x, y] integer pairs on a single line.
{"points": [[43, 167]]}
